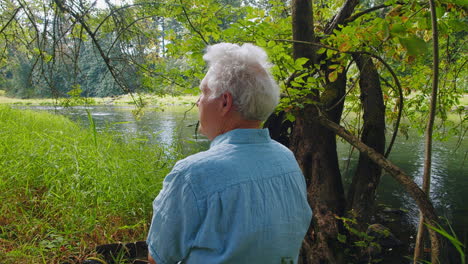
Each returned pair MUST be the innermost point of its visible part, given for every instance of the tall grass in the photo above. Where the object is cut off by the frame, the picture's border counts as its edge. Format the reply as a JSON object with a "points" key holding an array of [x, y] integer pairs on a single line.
{"points": [[63, 191]]}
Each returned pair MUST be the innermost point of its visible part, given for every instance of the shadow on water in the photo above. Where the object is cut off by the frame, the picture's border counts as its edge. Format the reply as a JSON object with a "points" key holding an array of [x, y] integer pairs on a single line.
{"points": [[449, 181]]}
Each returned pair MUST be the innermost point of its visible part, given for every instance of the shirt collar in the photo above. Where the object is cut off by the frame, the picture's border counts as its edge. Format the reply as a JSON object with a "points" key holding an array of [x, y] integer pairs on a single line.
{"points": [[242, 136]]}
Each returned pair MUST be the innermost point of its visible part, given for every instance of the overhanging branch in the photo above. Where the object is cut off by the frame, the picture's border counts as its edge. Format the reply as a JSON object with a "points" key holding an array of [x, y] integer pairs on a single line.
{"points": [[367, 11], [191, 25], [105, 58], [11, 19], [411, 187], [389, 68]]}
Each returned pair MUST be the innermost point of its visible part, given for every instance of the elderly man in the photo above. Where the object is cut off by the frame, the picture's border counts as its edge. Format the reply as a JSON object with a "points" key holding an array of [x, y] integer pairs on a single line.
{"points": [[244, 200]]}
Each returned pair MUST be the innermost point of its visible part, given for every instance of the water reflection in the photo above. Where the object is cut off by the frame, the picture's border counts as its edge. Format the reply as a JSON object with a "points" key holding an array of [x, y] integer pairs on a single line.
{"points": [[159, 126], [449, 182]]}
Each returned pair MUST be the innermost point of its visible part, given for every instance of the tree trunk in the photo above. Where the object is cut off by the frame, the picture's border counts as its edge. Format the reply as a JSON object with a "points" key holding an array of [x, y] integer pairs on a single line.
{"points": [[313, 140], [303, 29], [315, 150], [424, 204], [361, 194], [418, 249]]}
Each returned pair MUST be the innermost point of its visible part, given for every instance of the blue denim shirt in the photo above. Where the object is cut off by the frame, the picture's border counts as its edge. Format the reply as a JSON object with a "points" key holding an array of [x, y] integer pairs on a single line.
{"points": [[242, 201]]}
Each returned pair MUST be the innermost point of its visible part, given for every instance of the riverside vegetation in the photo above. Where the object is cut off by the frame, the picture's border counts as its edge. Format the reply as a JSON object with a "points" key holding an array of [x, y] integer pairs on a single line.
{"points": [[65, 188]]}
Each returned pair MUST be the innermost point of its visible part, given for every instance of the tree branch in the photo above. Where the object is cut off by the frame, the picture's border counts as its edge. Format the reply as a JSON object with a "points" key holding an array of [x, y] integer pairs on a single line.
{"points": [[123, 30], [106, 59], [398, 174], [353, 85], [345, 12], [11, 19], [357, 15], [111, 13], [389, 68], [426, 186], [191, 25], [145, 69]]}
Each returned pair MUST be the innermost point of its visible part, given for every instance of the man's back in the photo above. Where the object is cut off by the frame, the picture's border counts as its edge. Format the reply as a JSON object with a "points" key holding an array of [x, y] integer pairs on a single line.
{"points": [[247, 202]]}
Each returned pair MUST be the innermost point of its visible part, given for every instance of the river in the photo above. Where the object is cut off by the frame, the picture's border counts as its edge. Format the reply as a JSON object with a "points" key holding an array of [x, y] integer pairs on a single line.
{"points": [[449, 185]]}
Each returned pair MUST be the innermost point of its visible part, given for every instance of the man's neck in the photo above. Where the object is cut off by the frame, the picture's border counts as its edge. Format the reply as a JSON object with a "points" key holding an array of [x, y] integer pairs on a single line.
{"points": [[238, 123]]}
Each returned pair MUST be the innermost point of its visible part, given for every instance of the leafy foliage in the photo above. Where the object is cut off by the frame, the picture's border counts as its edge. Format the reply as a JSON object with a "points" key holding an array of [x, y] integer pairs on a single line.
{"points": [[70, 48]]}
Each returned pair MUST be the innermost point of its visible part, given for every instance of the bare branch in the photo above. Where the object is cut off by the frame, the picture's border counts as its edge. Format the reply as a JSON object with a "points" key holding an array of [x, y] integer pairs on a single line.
{"points": [[191, 25], [115, 10], [346, 10], [347, 92], [105, 58], [123, 30], [435, 252], [357, 15], [11, 19], [398, 174], [145, 69]]}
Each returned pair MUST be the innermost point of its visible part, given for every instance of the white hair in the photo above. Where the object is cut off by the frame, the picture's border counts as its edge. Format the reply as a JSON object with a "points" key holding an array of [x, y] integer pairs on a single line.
{"points": [[242, 71]]}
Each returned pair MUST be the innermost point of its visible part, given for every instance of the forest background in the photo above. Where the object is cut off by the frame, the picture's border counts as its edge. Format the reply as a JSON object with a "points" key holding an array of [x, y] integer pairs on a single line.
{"points": [[340, 59]]}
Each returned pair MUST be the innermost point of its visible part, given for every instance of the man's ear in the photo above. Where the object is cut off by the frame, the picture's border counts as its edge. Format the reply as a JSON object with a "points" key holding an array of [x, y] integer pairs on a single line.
{"points": [[226, 103]]}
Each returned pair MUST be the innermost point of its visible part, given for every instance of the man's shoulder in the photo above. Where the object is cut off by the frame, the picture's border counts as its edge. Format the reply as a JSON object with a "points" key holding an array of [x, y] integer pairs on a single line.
{"points": [[198, 159], [227, 155], [190, 166], [199, 171]]}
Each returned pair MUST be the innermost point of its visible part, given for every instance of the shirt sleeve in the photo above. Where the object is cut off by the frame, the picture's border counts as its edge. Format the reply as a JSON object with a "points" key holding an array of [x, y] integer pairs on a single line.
{"points": [[175, 220]]}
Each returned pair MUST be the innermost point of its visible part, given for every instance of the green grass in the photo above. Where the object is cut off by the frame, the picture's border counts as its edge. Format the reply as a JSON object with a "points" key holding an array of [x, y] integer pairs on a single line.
{"points": [[65, 189], [147, 99]]}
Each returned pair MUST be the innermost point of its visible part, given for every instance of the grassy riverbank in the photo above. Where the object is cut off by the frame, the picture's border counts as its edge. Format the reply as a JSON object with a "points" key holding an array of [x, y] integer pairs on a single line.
{"points": [[65, 189], [146, 99]]}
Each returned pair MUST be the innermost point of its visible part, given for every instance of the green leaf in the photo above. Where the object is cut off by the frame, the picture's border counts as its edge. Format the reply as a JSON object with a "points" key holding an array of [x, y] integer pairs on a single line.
{"points": [[360, 244], [453, 239], [296, 84], [342, 238], [385, 27], [345, 47], [321, 50], [300, 62], [261, 42], [299, 80], [463, 3], [332, 76], [290, 117], [397, 28], [456, 25], [415, 46], [440, 12]]}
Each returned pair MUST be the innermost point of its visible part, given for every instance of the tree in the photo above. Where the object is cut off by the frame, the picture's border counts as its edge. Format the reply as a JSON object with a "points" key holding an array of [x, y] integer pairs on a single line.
{"points": [[314, 71], [321, 61], [73, 44], [418, 249], [309, 136]]}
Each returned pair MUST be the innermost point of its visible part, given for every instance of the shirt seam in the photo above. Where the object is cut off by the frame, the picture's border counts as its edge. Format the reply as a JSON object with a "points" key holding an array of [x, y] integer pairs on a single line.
{"points": [[155, 255], [228, 139], [242, 182], [199, 214]]}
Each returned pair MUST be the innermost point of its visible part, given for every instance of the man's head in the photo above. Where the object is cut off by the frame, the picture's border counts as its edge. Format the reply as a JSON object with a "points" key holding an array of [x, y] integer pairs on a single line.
{"points": [[238, 91]]}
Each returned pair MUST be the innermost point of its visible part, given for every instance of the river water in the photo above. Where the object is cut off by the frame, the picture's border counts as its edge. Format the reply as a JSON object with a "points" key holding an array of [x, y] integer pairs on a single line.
{"points": [[449, 185]]}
